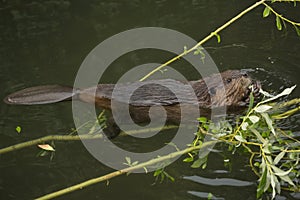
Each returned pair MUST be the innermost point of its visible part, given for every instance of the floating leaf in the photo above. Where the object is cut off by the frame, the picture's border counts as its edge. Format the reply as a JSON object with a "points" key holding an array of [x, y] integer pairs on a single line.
{"points": [[46, 147], [18, 129], [266, 12], [254, 119], [262, 108], [278, 23]]}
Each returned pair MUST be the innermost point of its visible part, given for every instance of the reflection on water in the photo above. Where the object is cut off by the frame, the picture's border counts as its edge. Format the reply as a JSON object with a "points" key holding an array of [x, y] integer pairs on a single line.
{"points": [[218, 181], [44, 42]]}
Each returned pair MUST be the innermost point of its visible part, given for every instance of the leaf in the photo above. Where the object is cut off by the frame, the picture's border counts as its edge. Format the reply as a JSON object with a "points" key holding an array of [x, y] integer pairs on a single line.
{"points": [[157, 172], [285, 92], [202, 119], [218, 37], [250, 102], [262, 183], [135, 163], [169, 176], [254, 119], [297, 30], [278, 23], [262, 108], [268, 181], [18, 129], [273, 184], [265, 93], [279, 157], [244, 126], [240, 138], [257, 134], [46, 147], [266, 12], [269, 122], [128, 160], [199, 162], [279, 172], [287, 179], [189, 159]]}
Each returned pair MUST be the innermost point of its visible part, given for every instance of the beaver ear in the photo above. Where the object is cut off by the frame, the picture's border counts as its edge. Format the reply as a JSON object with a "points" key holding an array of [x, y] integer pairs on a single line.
{"points": [[212, 91]]}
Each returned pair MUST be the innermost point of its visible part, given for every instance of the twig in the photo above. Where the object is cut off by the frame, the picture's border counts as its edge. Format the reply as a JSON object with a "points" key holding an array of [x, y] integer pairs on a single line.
{"points": [[74, 137], [123, 171], [212, 34]]}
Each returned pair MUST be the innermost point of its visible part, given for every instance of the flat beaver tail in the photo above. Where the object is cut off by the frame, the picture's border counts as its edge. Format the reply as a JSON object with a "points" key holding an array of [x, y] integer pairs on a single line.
{"points": [[41, 95]]}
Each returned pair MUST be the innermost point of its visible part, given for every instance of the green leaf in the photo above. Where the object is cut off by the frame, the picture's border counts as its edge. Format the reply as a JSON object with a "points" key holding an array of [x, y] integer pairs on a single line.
{"points": [[244, 126], [257, 134], [240, 138], [189, 159], [218, 37], [287, 179], [262, 183], [285, 92], [297, 30], [254, 119], [128, 160], [279, 157], [279, 172], [269, 122], [202, 119], [250, 102], [199, 162], [18, 129], [169, 176], [274, 181], [266, 12], [157, 172], [278, 23], [262, 108]]}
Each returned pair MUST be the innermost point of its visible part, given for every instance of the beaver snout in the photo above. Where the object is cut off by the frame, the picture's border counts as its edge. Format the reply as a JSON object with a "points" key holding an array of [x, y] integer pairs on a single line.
{"points": [[254, 87]]}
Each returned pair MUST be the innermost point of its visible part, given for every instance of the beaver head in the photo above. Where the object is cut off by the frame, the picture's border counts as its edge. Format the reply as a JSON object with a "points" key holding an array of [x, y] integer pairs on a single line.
{"points": [[230, 88]]}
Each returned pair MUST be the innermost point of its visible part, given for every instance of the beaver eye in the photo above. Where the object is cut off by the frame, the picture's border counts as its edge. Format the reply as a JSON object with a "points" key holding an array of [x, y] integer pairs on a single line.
{"points": [[228, 80], [212, 91], [245, 75]]}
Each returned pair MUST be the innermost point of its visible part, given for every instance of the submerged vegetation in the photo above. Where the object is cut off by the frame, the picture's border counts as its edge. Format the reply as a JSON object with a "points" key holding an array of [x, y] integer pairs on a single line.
{"points": [[274, 153]]}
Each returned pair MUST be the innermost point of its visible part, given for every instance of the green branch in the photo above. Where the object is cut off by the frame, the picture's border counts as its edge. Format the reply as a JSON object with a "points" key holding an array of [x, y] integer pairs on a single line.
{"points": [[124, 171], [211, 35], [75, 137]]}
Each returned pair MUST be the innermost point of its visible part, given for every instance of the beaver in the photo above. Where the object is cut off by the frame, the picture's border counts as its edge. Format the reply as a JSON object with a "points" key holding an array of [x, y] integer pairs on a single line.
{"points": [[232, 91]]}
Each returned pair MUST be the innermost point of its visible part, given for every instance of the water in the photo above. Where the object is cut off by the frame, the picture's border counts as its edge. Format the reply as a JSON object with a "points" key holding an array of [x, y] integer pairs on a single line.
{"points": [[45, 43]]}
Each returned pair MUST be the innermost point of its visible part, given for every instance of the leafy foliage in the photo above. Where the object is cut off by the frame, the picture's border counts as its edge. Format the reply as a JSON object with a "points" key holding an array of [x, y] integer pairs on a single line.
{"points": [[274, 153]]}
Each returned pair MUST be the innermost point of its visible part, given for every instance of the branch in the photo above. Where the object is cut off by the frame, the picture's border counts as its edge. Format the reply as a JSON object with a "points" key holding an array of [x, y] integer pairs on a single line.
{"points": [[75, 137], [212, 34], [124, 171]]}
